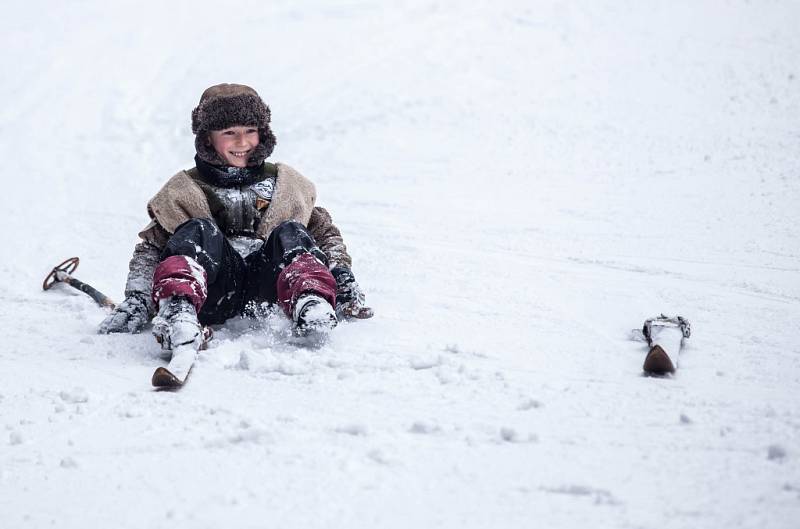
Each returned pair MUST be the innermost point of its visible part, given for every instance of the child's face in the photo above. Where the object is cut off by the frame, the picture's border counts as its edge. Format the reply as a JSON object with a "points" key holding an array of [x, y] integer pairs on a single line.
{"points": [[235, 144]]}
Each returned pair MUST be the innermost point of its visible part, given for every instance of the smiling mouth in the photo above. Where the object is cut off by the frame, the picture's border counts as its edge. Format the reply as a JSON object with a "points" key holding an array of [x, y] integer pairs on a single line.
{"points": [[242, 154]]}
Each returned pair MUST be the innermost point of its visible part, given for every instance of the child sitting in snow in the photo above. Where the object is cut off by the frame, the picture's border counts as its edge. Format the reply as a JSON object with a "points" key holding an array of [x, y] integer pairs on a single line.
{"points": [[235, 230]]}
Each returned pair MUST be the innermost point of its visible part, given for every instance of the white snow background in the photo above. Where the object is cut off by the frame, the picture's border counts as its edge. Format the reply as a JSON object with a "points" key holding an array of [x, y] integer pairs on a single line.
{"points": [[521, 183]]}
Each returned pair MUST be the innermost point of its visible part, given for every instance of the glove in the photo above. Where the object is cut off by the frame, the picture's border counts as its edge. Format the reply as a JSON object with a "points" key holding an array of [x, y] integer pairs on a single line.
{"points": [[349, 296], [129, 316]]}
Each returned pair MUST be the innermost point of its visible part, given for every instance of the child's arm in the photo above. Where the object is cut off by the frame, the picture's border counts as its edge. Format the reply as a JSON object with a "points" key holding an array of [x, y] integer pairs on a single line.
{"points": [[137, 309], [350, 298], [329, 238]]}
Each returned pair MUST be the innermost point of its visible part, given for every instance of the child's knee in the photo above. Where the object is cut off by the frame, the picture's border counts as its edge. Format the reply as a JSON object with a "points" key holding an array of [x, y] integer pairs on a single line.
{"points": [[290, 226], [206, 226]]}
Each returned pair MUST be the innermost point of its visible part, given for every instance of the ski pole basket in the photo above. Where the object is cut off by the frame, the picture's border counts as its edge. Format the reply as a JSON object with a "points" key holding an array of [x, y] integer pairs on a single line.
{"points": [[62, 273]]}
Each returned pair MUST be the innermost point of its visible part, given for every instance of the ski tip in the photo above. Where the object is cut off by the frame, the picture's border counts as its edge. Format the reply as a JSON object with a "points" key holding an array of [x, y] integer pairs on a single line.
{"points": [[658, 362], [163, 379]]}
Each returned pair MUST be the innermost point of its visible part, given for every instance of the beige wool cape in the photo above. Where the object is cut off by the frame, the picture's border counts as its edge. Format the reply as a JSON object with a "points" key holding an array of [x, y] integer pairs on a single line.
{"points": [[294, 197]]}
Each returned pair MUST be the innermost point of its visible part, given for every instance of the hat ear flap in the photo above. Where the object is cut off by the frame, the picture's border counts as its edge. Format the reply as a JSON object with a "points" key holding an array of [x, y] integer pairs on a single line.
{"points": [[205, 150], [196, 120], [266, 140]]}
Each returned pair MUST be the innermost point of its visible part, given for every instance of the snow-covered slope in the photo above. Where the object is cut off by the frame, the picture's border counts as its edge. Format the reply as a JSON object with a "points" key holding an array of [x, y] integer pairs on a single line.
{"points": [[520, 183]]}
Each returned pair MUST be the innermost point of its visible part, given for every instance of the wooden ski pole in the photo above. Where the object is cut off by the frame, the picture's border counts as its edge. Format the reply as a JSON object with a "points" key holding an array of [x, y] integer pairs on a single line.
{"points": [[61, 273]]}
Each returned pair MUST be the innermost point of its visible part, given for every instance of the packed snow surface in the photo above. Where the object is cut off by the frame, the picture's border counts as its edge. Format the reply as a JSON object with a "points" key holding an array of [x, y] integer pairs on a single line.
{"points": [[521, 183]]}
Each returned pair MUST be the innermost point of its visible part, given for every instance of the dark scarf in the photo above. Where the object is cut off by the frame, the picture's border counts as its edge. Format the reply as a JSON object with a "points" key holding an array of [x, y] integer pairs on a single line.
{"points": [[228, 176]]}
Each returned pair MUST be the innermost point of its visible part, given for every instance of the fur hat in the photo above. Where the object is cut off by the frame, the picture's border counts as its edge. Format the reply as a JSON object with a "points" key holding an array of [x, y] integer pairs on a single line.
{"points": [[229, 105]]}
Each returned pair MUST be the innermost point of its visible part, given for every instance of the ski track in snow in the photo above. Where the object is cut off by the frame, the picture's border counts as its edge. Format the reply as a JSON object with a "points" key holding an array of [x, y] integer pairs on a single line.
{"points": [[520, 184]]}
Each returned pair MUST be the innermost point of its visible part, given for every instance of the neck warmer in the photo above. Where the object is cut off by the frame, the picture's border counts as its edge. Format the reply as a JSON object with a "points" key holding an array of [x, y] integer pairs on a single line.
{"points": [[228, 176]]}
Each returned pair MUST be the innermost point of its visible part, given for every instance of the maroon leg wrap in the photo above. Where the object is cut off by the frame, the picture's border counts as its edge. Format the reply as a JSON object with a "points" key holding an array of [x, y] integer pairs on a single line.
{"points": [[179, 275], [305, 274]]}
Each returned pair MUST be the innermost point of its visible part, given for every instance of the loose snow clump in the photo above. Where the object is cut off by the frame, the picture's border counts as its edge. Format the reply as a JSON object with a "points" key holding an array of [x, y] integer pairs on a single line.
{"points": [[68, 462], [421, 427], [352, 429], [529, 404], [510, 435], [75, 396], [776, 452], [425, 362]]}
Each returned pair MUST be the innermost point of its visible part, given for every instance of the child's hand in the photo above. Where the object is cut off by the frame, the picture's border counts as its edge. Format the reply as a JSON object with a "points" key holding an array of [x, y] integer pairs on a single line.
{"points": [[352, 312], [129, 316], [350, 299]]}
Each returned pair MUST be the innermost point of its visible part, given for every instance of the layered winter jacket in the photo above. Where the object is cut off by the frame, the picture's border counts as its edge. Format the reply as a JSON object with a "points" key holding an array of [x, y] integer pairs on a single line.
{"points": [[246, 217]]}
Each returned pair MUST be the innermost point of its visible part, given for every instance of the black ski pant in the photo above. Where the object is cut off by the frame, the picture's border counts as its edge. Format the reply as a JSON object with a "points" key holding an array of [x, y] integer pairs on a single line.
{"points": [[234, 281]]}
